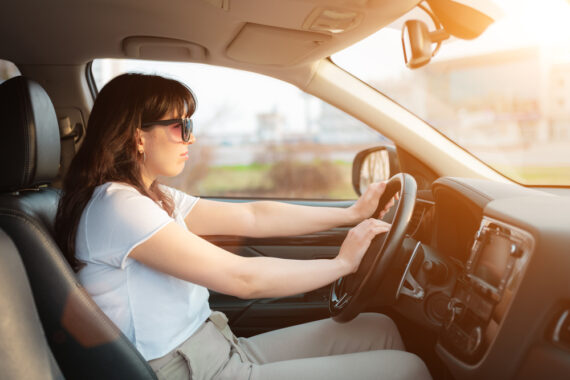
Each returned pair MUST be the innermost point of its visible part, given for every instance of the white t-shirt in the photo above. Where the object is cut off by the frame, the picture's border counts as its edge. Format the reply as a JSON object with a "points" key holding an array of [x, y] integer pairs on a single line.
{"points": [[157, 312]]}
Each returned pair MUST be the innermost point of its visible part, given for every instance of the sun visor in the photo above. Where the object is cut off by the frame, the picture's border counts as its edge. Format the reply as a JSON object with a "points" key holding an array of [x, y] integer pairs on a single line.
{"points": [[268, 45], [460, 20], [163, 49]]}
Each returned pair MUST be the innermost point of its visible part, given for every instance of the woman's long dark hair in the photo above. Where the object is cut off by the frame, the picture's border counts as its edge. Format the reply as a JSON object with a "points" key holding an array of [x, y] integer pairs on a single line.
{"points": [[109, 154]]}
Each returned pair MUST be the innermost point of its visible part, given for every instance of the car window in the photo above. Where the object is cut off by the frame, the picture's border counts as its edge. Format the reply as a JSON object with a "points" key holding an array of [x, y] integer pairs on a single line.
{"points": [[7, 70], [504, 96], [257, 136]]}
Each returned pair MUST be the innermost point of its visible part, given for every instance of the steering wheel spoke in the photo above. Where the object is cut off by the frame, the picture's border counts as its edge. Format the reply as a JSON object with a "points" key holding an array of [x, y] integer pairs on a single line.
{"points": [[413, 288], [339, 296]]}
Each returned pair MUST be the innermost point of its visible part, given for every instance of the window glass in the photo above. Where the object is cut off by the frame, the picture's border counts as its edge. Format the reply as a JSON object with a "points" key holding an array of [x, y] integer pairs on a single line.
{"points": [[257, 136], [7, 70], [504, 96]]}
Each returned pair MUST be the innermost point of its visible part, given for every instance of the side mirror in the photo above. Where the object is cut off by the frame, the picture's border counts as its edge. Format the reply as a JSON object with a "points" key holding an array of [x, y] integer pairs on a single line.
{"points": [[374, 165]]}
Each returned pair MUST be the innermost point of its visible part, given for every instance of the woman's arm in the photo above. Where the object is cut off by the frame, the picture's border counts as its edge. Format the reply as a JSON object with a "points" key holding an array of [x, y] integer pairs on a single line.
{"points": [[175, 251], [267, 218]]}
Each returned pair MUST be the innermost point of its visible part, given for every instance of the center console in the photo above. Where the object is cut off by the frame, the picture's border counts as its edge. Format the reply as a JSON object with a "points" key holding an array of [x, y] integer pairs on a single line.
{"points": [[482, 294]]}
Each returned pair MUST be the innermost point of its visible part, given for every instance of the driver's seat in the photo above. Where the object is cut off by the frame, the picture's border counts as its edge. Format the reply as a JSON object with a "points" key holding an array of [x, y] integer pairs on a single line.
{"points": [[85, 343]]}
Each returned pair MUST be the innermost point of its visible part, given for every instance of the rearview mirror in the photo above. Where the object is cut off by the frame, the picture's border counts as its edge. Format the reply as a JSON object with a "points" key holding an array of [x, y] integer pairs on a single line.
{"points": [[373, 165], [417, 42]]}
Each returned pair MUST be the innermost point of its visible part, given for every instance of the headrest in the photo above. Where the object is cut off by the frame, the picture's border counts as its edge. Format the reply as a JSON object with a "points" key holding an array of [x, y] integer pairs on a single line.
{"points": [[29, 135]]}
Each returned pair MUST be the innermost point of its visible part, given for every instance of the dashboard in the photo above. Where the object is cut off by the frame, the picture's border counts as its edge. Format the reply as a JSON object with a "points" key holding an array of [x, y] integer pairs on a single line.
{"points": [[493, 269]]}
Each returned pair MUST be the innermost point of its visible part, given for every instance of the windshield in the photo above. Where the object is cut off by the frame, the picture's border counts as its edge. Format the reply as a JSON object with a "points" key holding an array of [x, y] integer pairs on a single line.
{"points": [[504, 96]]}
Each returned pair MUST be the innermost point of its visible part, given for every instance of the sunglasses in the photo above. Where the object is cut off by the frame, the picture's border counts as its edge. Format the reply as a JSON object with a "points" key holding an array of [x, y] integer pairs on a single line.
{"points": [[186, 124]]}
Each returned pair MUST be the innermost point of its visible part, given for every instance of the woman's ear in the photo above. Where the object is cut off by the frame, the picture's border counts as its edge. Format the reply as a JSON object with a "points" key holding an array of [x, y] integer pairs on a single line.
{"points": [[140, 141]]}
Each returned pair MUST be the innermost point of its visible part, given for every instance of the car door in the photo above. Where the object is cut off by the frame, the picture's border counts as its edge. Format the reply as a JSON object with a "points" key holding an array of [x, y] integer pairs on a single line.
{"points": [[250, 317]]}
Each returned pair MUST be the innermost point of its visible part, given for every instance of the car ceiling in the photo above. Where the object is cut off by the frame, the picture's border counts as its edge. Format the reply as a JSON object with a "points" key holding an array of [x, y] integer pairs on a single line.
{"points": [[236, 33]]}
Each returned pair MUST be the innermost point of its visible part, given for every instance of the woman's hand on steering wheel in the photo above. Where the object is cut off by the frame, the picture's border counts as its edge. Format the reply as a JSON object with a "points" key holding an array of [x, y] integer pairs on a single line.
{"points": [[357, 242], [365, 206], [351, 294]]}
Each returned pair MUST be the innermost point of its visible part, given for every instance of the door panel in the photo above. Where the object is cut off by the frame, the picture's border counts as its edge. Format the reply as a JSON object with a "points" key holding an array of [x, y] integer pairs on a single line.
{"points": [[333, 237], [250, 317], [285, 252]]}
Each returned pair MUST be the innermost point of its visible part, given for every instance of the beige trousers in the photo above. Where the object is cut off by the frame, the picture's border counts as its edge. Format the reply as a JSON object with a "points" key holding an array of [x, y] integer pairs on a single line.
{"points": [[369, 347]]}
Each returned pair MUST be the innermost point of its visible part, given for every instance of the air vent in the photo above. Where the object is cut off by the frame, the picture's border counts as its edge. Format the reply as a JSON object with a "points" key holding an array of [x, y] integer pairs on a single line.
{"points": [[419, 212], [415, 220]]}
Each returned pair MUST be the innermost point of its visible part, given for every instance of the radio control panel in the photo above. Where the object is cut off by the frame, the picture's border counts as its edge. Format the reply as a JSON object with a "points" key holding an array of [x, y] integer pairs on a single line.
{"points": [[483, 291]]}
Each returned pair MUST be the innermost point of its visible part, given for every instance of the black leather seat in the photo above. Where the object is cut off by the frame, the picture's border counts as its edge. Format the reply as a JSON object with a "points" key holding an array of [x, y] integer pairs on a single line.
{"points": [[24, 352], [85, 343]]}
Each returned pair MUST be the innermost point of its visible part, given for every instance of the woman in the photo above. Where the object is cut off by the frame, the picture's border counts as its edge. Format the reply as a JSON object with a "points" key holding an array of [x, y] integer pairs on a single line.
{"points": [[137, 248]]}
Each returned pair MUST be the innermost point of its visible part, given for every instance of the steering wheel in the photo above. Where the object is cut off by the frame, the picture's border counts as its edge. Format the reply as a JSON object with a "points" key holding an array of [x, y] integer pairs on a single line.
{"points": [[350, 294]]}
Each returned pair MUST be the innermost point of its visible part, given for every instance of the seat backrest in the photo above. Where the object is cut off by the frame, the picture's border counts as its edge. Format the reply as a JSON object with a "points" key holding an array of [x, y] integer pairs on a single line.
{"points": [[84, 341], [24, 352]]}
